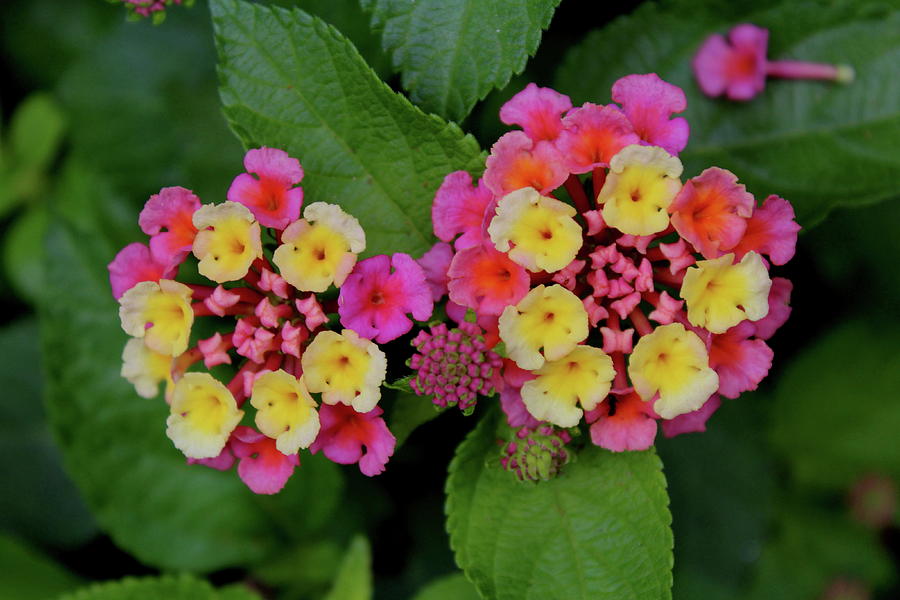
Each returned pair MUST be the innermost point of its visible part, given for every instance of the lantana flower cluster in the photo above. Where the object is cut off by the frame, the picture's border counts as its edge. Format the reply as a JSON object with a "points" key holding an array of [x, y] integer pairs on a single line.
{"points": [[604, 289], [267, 338], [139, 9]]}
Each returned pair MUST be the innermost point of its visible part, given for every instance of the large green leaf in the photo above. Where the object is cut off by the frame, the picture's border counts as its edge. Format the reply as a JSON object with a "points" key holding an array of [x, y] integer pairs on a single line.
{"points": [[38, 501], [817, 144], [837, 413], [451, 53], [598, 531], [182, 587], [450, 587], [292, 82]]}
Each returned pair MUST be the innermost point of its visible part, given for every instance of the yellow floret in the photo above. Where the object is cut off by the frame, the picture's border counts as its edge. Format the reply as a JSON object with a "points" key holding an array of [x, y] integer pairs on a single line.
{"points": [[319, 249], [160, 313], [584, 376], [203, 415], [345, 368], [673, 363], [227, 241], [642, 182], [144, 368], [285, 411], [720, 294], [539, 233], [549, 318]]}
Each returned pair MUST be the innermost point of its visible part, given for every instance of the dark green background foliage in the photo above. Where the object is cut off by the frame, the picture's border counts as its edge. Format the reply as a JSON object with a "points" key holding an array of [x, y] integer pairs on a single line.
{"points": [[380, 99]]}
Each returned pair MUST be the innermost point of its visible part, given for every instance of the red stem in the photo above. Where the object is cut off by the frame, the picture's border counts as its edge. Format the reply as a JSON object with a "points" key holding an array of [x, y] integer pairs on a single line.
{"points": [[576, 191], [640, 322], [598, 178]]}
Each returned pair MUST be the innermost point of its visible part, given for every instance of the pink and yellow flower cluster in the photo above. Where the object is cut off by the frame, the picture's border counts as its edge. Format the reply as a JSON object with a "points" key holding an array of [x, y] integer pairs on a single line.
{"points": [[291, 316], [623, 295]]}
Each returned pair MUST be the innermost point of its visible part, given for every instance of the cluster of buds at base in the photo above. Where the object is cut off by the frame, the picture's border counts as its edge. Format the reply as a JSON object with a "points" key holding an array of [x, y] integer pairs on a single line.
{"points": [[296, 319], [623, 295], [536, 454], [454, 366]]}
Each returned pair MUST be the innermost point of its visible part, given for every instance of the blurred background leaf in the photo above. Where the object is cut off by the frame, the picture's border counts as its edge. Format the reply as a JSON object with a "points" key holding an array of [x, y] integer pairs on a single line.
{"points": [[182, 587], [28, 575], [354, 577], [819, 145], [450, 587], [451, 53]]}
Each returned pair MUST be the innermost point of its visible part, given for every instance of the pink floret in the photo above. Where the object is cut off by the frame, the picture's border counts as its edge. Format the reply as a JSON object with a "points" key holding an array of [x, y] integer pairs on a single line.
{"points": [[736, 68], [593, 134], [771, 230], [134, 264], [270, 196], [435, 263], [740, 362], [262, 466], [537, 110], [516, 161], [511, 397], [632, 426], [779, 308], [486, 280], [649, 102], [692, 422], [345, 433], [459, 208], [171, 209], [374, 301]]}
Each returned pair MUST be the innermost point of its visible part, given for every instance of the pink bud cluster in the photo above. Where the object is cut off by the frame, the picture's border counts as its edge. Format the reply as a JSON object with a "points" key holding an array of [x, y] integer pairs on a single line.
{"points": [[454, 366], [146, 8]]}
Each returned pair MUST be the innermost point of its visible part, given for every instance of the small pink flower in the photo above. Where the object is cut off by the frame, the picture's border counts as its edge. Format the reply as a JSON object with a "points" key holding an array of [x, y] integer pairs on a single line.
{"points": [[629, 424], [593, 135], [374, 301], [312, 311], [222, 462], [779, 308], [538, 111], [649, 102], [221, 300], [517, 162], [345, 433], [134, 264], [771, 230], [261, 466], [692, 422], [435, 263], [711, 211], [738, 67], [459, 208], [171, 209], [486, 279], [215, 350], [740, 362], [270, 196]]}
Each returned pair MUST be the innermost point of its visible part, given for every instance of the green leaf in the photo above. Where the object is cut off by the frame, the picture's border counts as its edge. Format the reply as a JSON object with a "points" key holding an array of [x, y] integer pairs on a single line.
{"points": [[835, 417], [25, 573], [451, 53], [407, 412], [182, 587], [598, 531], [354, 578], [819, 145], [290, 81], [36, 131], [451, 587], [39, 502], [23, 252]]}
